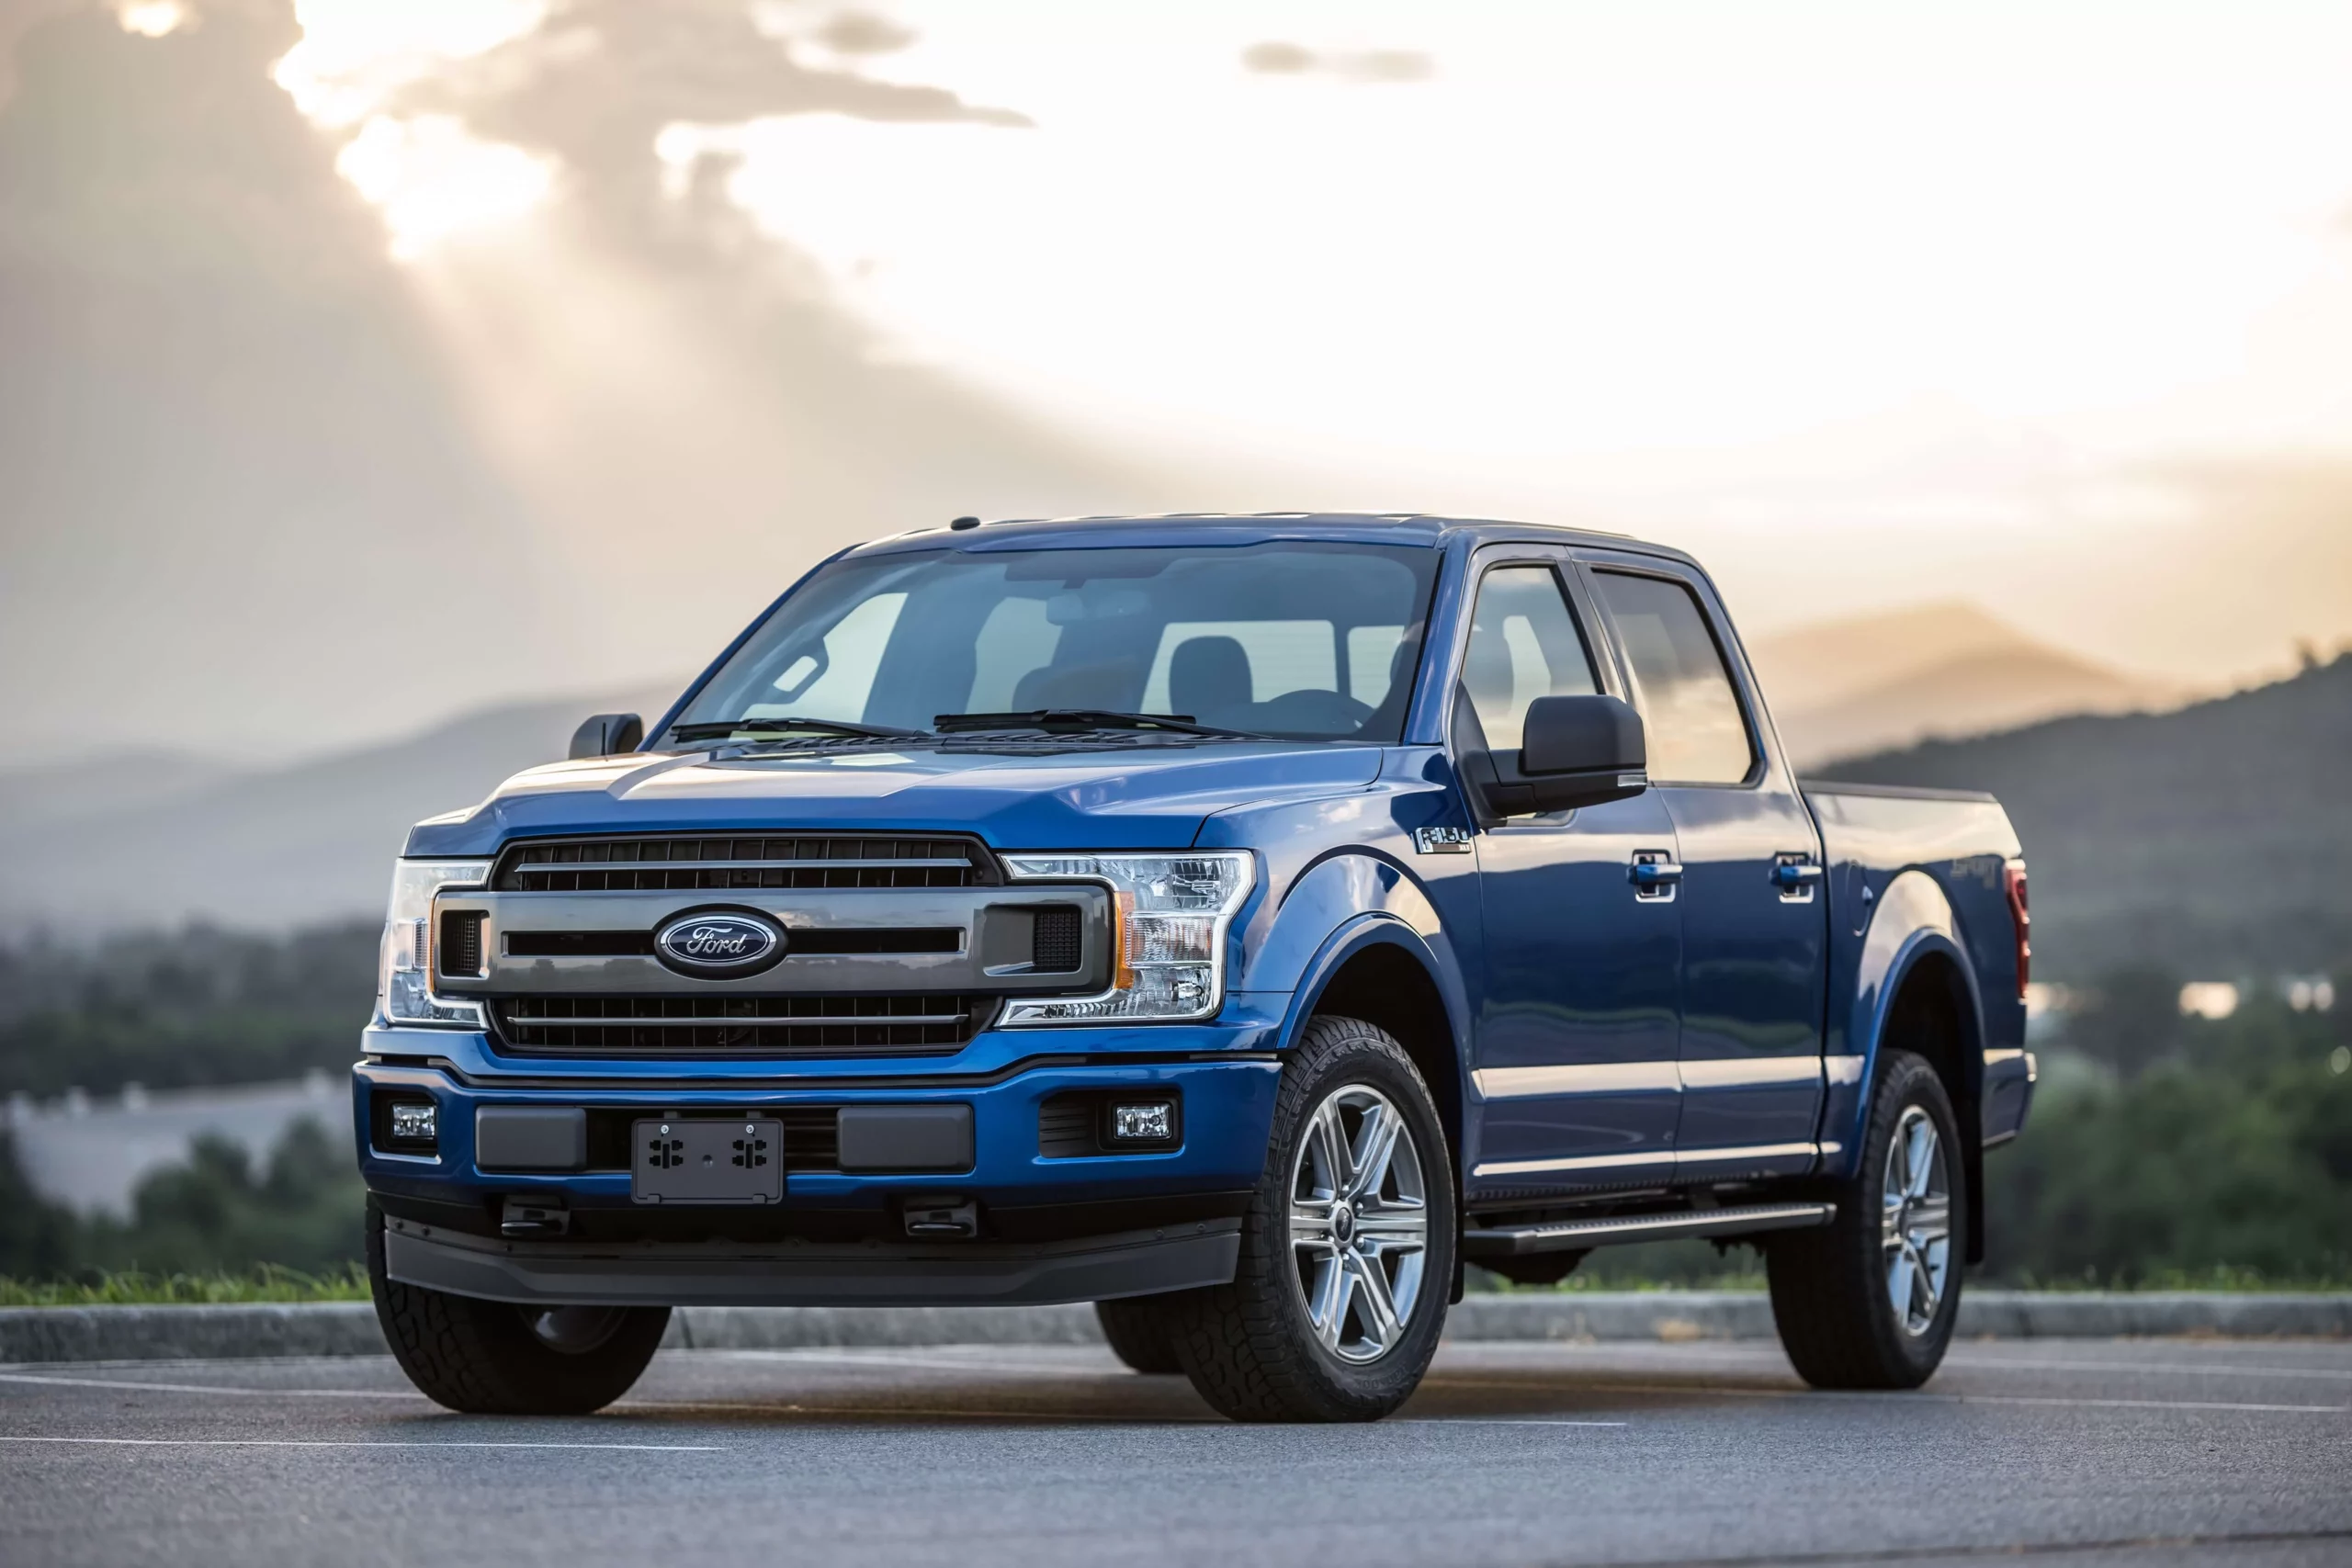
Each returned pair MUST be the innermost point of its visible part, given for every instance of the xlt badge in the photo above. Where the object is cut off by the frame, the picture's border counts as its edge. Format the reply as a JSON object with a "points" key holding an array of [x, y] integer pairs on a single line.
{"points": [[718, 945]]}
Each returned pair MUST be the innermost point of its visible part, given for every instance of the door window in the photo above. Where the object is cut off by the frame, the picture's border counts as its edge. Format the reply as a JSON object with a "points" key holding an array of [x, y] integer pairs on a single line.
{"points": [[1523, 645], [1697, 734]]}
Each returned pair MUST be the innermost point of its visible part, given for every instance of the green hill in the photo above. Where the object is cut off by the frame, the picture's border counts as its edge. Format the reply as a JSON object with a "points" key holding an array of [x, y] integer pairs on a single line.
{"points": [[2214, 841]]}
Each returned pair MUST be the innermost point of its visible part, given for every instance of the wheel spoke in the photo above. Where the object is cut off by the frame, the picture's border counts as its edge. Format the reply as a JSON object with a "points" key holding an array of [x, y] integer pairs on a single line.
{"points": [[1375, 1144], [1393, 1228], [1326, 1146], [1310, 1224], [1919, 1156], [1928, 1220], [1335, 1286], [1924, 1294], [1901, 1282], [1378, 1304]]}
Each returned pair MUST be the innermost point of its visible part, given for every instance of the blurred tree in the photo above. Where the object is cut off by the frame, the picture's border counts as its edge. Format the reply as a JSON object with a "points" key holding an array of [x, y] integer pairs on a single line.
{"points": [[300, 1211], [38, 1240], [2130, 1020]]}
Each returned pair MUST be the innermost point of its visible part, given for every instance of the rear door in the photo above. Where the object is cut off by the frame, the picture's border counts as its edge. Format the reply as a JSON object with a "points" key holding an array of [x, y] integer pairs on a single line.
{"points": [[1755, 927]]}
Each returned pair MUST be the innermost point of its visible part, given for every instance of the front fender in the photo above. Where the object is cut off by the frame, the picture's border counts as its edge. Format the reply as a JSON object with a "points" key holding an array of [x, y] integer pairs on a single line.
{"points": [[1342, 905], [1913, 921]]}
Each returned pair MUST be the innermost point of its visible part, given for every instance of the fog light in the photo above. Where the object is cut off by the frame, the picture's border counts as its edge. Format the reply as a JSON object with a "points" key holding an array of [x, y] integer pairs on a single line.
{"points": [[416, 1123], [1143, 1121]]}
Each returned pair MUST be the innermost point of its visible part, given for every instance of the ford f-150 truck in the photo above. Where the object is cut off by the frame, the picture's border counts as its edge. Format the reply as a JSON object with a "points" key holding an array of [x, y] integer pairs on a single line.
{"points": [[1244, 923]]}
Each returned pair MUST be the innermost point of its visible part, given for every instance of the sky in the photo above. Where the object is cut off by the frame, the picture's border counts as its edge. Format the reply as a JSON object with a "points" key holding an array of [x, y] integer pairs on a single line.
{"points": [[2044, 306]]}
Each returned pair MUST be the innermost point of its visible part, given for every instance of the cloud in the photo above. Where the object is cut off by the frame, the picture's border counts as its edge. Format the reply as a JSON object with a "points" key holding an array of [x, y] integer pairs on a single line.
{"points": [[1277, 58], [862, 32], [599, 80]]}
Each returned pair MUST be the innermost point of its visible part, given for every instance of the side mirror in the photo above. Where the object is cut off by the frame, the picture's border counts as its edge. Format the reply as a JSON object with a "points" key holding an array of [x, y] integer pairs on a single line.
{"points": [[1593, 740], [608, 734], [1574, 751]]}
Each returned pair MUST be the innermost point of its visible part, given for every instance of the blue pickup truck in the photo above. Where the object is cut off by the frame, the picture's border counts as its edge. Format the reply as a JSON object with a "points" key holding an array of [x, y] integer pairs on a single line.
{"points": [[1244, 923]]}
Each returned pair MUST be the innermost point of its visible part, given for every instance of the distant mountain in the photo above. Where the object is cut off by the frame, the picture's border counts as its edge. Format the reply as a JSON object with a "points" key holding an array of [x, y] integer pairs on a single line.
{"points": [[130, 841], [1947, 669], [2214, 840], [47, 792]]}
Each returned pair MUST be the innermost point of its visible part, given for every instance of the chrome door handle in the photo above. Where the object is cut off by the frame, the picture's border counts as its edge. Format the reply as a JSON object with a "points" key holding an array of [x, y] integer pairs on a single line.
{"points": [[1794, 873], [1655, 874]]}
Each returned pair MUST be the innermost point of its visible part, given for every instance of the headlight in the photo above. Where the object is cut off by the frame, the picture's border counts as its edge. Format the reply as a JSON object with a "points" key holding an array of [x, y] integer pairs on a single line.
{"points": [[1168, 934], [404, 977]]}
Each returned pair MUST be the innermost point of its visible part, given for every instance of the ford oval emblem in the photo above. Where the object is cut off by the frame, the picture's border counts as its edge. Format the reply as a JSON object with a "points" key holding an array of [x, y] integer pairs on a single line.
{"points": [[718, 944]]}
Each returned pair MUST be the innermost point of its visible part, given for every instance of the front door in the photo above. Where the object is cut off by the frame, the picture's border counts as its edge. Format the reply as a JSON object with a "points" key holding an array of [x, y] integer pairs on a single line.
{"points": [[1574, 1069], [1755, 924]]}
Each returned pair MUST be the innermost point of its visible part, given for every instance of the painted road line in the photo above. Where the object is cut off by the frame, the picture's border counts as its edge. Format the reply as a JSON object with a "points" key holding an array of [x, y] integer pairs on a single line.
{"points": [[1606, 1386], [358, 1443], [213, 1388], [1493, 1421], [881, 1411]]}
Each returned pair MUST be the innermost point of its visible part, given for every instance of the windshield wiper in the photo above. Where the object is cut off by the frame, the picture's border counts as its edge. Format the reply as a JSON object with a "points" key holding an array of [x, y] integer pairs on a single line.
{"points": [[1071, 721], [721, 730]]}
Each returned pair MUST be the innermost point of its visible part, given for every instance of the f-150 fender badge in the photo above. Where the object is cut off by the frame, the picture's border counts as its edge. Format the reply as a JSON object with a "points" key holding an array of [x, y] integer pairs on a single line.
{"points": [[718, 944], [1442, 840]]}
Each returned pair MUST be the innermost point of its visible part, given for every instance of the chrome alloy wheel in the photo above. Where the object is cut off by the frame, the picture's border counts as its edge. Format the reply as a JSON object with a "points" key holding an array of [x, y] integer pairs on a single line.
{"points": [[1916, 1227], [1359, 1224]]}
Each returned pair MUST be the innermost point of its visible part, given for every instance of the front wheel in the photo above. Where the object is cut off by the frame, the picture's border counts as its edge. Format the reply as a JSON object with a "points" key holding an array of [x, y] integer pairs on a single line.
{"points": [[1138, 1331], [498, 1359], [1869, 1300], [1347, 1249]]}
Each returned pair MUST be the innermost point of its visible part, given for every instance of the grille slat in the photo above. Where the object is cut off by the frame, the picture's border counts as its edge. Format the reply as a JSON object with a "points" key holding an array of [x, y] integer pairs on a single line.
{"points": [[721, 863], [691, 1025]]}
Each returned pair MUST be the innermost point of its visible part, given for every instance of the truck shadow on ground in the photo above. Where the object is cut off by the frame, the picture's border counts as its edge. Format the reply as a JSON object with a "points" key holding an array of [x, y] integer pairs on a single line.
{"points": [[802, 1393]]}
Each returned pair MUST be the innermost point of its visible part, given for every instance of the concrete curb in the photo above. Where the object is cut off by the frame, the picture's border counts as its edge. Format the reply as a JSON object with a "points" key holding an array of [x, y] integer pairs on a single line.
{"points": [[349, 1328]]}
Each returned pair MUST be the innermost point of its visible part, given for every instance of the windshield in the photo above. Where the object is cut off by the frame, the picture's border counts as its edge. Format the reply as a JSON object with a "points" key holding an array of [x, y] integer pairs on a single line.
{"points": [[1302, 641]]}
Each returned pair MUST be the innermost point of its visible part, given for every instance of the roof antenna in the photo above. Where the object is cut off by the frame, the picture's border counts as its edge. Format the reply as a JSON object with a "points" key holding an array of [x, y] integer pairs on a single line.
{"points": [[962, 522]]}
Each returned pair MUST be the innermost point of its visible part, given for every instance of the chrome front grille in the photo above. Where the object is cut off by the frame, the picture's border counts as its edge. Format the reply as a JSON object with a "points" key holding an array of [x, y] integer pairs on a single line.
{"points": [[718, 863], [823, 1024]]}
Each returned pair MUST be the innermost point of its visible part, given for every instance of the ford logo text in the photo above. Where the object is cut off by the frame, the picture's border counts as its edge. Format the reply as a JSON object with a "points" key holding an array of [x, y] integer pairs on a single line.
{"points": [[718, 944]]}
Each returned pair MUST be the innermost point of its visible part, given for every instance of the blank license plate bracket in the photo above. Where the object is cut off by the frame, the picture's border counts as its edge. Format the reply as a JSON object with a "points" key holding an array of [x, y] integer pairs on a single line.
{"points": [[707, 1161]]}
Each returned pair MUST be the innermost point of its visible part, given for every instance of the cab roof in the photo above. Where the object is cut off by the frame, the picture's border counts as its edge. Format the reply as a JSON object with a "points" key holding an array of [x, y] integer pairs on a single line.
{"points": [[1240, 528]]}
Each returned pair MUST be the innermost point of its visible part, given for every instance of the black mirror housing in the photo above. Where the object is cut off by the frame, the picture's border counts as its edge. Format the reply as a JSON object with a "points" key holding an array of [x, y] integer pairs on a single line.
{"points": [[607, 734], [1582, 750], [1574, 751], [1582, 735]]}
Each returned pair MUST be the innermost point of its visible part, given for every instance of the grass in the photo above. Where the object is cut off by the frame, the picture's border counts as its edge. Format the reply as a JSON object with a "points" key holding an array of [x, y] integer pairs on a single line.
{"points": [[266, 1283]]}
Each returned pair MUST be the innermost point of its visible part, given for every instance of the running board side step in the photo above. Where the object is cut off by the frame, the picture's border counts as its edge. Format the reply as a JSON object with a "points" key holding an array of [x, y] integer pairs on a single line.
{"points": [[1561, 1236]]}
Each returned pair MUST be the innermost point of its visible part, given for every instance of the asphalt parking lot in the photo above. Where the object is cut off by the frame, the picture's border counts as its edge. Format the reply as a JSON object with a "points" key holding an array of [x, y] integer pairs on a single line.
{"points": [[2138, 1453]]}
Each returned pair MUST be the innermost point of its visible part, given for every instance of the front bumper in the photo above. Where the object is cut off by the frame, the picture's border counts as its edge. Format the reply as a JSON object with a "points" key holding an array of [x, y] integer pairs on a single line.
{"points": [[1051, 1228], [1091, 1269]]}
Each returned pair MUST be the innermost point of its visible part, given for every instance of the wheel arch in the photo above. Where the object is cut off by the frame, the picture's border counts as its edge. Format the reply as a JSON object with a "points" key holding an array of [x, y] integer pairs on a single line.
{"points": [[1377, 968], [1918, 992]]}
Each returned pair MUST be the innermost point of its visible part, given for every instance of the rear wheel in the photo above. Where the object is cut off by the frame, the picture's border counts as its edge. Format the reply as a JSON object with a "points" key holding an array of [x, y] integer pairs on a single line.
{"points": [[1869, 1301], [499, 1358], [1347, 1249], [1140, 1335]]}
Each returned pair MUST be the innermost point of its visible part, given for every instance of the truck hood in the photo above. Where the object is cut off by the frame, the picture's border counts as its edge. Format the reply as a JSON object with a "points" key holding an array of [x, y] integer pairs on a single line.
{"points": [[1141, 797]]}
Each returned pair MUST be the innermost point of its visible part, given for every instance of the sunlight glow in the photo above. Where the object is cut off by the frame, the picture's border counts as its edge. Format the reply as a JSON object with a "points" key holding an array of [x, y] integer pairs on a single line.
{"points": [[150, 18], [355, 54], [434, 180]]}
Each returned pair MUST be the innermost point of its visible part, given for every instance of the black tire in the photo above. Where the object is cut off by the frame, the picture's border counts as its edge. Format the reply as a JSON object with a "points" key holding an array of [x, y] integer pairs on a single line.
{"points": [[1833, 1288], [497, 1359], [1253, 1347], [1139, 1334]]}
